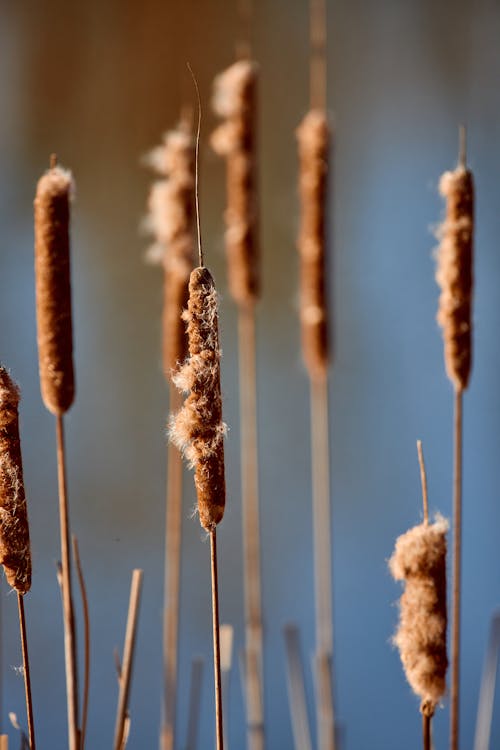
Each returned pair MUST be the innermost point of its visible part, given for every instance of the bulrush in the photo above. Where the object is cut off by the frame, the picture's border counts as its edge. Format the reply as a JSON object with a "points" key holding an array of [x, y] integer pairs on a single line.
{"points": [[53, 289], [313, 140], [15, 554], [234, 100], [198, 429]]}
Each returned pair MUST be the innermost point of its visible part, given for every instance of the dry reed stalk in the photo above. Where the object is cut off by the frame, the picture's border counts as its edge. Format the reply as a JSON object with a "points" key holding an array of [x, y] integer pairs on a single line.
{"points": [[125, 677], [86, 639], [296, 689], [226, 661], [235, 101], [170, 220], [488, 686], [419, 559], [193, 724], [55, 346], [455, 277], [4, 742], [15, 550]]}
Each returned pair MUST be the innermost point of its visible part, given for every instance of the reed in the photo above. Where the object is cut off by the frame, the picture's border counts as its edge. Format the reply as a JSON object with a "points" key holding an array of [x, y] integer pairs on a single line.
{"points": [[55, 347], [455, 277], [15, 549]]}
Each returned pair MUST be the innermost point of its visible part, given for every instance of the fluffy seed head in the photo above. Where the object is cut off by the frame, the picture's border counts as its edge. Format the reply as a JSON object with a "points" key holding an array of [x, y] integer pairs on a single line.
{"points": [[15, 553], [53, 289]]}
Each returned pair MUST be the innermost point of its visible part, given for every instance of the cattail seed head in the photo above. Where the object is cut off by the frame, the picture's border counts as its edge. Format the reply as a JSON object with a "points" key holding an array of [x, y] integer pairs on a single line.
{"points": [[454, 274], [234, 99], [15, 553], [53, 289], [419, 559], [313, 141], [198, 429], [170, 221]]}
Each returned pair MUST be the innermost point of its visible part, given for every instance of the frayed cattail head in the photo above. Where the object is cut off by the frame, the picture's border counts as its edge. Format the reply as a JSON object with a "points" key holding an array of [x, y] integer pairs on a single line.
{"points": [[235, 100], [198, 429], [419, 560], [53, 289], [15, 553], [454, 274], [313, 140]]}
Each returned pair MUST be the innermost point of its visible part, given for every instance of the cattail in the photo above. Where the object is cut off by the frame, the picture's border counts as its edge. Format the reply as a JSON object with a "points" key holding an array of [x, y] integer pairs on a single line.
{"points": [[235, 100], [53, 289], [198, 428], [170, 221], [419, 559], [454, 273], [15, 553], [313, 140]]}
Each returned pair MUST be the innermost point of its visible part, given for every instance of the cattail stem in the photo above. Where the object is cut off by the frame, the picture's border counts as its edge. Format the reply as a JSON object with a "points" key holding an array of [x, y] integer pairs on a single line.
{"points": [[426, 731], [423, 479], [216, 638], [67, 596], [317, 84], [86, 640], [457, 566], [251, 527], [128, 658], [26, 671], [173, 537], [296, 689]]}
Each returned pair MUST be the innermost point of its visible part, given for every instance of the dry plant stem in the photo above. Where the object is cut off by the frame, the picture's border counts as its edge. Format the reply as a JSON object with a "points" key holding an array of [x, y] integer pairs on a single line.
{"points": [[128, 658], [194, 704], [4, 742], [26, 671], [322, 562], [86, 637], [173, 534], [423, 479], [318, 54], [219, 733], [457, 567], [487, 690], [426, 731], [67, 596], [296, 689], [251, 528]]}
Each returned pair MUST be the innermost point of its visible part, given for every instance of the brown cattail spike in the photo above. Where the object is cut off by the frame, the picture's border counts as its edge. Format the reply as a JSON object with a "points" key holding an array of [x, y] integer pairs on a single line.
{"points": [[198, 428], [313, 139], [170, 221], [454, 273], [15, 553], [235, 100], [53, 289], [419, 559]]}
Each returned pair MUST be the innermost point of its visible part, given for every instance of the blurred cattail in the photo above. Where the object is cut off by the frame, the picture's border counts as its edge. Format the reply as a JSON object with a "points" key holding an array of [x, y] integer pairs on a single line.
{"points": [[419, 559], [313, 140], [234, 100], [198, 429], [15, 553], [53, 289], [170, 221], [454, 273]]}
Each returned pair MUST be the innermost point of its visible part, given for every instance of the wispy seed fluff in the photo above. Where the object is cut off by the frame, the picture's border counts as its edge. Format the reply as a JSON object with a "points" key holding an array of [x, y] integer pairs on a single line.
{"points": [[197, 429], [313, 141], [15, 553], [235, 100], [419, 559], [170, 221], [454, 274], [53, 289]]}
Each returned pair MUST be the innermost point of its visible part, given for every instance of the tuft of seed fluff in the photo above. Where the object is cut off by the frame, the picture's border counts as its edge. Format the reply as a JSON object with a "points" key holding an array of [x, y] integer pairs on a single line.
{"points": [[53, 289], [170, 221], [15, 552], [454, 274], [419, 559], [234, 100], [313, 141], [197, 429]]}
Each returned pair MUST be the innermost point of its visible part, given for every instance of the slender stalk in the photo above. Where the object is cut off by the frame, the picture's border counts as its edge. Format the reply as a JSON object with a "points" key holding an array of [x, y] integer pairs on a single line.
{"points": [[296, 689], [318, 54], [86, 636], [426, 731], [216, 638], [226, 640], [488, 686], [423, 479], [194, 704], [128, 658], [457, 565], [4, 742], [67, 596], [173, 534], [251, 528], [322, 562], [26, 671]]}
